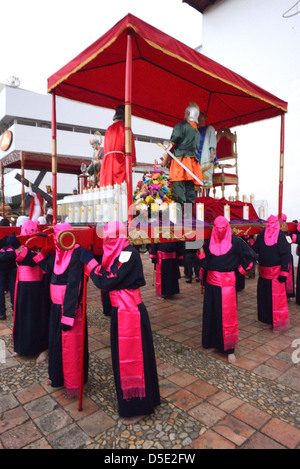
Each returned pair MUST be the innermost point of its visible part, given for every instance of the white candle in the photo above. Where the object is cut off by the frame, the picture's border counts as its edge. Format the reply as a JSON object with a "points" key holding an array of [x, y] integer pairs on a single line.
{"points": [[246, 212], [261, 212], [173, 212], [200, 211], [227, 212]]}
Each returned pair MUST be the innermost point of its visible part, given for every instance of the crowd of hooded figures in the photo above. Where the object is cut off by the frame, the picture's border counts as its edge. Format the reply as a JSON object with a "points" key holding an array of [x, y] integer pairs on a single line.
{"points": [[46, 292]]}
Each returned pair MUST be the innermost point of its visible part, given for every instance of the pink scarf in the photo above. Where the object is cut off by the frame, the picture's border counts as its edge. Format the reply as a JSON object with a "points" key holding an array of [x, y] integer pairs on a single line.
{"points": [[62, 256], [221, 237], [114, 241], [272, 230]]}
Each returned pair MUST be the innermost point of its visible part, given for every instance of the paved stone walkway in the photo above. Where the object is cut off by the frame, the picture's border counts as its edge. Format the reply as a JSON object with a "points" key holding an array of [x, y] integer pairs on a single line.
{"points": [[206, 403]]}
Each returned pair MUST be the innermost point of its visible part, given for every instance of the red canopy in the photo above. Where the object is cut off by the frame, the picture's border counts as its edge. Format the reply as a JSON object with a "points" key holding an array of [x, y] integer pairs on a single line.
{"points": [[166, 76]]}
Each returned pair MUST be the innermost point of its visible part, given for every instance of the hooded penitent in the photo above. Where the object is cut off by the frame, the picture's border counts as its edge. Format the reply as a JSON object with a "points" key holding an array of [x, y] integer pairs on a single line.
{"points": [[129, 323], [29, 227], [221, 237], [114, 241], [272, 230]]}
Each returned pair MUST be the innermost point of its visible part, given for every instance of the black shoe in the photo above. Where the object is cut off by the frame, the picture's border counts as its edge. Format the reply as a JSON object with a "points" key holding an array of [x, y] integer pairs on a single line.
{"points": [[3, 317], [197, 280], [189, 281]]}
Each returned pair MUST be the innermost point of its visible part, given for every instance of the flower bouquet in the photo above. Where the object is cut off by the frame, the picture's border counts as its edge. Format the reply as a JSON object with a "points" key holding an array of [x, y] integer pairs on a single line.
{"points": [[153, 193]]}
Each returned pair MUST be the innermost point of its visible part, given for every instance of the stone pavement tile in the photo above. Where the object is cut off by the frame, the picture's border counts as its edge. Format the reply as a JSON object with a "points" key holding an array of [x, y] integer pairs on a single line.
{"points": [[165, 370], [70, 437], [29, 393], [53, 421], [207, 414], [258, 356], [246, 363], [249, 414], [278, 364], [12, 418], [267, 372], [262, 442], [230, 405], [71, 406], [282, 432], [39, 444], [96, 423], [184, 399], [202, 389], [166, 388], [211, 440], [290, 380], [20, 436], [182, 378], [41, 406], [8, 402], [234, 430]]}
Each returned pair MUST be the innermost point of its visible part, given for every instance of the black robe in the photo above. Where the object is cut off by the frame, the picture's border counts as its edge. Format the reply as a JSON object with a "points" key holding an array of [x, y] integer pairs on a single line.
{"points": [[72, 278], [130, 276], [31, 310], [278, 254], [167, 269], [212, 328]]}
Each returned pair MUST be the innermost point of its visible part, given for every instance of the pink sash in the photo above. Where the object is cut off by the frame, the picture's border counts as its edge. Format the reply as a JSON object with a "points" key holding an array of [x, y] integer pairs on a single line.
{"points": [[281, 318], [130, 342], [160, 257], [71, 342], [29, 274], [226, 280]]}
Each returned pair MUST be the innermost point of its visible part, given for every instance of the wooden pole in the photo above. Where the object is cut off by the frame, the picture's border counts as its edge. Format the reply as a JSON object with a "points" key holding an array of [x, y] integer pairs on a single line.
{"points": [[280, 195], [54, 161], [2, 191], [82, 339], [128, 133], [22, 186]]}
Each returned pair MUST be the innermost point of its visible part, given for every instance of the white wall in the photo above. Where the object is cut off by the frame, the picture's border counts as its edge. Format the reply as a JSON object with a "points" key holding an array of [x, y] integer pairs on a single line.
{"points": [[253, 39]]}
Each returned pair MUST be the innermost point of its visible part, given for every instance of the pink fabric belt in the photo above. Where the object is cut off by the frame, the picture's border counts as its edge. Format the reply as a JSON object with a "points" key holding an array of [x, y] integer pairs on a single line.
{"points": [[227, 281], [281, 319], [130, 342], [57, 293], [29, 274]]}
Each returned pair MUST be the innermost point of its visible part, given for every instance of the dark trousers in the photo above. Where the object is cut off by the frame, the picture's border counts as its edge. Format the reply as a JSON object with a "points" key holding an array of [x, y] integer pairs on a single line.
{"points": [[184, 192], [7, 283]]}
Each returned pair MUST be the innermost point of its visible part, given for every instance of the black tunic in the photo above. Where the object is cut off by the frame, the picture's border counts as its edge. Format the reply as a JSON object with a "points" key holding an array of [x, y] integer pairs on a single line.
{"points": [[168, 273], [270, 256], [130, 276], [72, 278], [31, 316], [239, 254]]}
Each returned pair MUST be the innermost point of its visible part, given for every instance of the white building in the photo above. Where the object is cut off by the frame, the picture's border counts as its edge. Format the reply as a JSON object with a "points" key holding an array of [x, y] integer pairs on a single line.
{"points": [[260, 42], [28, 116]]}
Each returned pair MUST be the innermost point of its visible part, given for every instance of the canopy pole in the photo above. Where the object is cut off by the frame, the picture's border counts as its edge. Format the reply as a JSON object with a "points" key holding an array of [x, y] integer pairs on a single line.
{"points": [[22, 182], [54, 161], [280, 196], [2, 191], [128, 133]]}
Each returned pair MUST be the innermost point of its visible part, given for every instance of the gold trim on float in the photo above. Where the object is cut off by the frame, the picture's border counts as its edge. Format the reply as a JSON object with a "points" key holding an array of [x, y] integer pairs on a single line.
{"points": [[171, 54]]}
